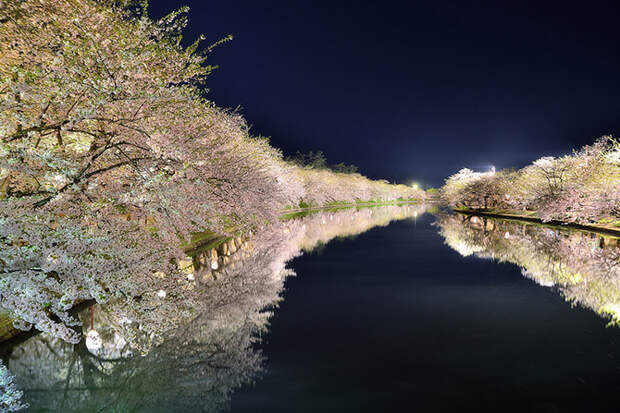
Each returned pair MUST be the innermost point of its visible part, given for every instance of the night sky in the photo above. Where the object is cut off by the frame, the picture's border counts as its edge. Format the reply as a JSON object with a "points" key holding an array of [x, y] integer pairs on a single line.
{"points": [[416, 90]]}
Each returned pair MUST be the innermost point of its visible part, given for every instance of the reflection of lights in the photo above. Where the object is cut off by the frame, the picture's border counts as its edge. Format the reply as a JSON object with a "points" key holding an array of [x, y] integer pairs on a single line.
{"points": [[214, 265], [161, 294], [463, 247], [507, 235], [190, 276], [492, 170], [93, 341], [415, 214]]}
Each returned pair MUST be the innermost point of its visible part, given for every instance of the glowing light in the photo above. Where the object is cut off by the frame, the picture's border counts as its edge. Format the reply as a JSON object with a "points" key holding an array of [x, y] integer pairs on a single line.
{"points": [[93, 341], [161, 294]]}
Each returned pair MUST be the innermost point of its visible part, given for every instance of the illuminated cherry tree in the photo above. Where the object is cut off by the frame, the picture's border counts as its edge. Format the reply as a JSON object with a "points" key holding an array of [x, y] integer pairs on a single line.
{"points": [[583, 187], [112, 160]]}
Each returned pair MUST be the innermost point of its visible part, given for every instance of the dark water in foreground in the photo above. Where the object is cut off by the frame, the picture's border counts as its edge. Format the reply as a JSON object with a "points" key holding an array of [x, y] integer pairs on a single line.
{"points": [[397, 321], [405, 317]]}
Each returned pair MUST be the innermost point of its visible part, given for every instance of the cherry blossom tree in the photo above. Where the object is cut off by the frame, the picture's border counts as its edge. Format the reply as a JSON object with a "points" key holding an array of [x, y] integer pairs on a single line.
{"points": [[112, 160], [583, 187]]}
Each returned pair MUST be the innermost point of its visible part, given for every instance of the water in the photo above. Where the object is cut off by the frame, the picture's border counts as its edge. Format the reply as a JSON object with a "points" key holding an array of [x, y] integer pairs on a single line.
{"points": [[417, 315]]}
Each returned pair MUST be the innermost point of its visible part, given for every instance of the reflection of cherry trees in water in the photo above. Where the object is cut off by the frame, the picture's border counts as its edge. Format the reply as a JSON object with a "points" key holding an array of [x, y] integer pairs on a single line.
{"points": [[10, 395], [584, 267], [187, 349], [196, 368], [147, 356]]}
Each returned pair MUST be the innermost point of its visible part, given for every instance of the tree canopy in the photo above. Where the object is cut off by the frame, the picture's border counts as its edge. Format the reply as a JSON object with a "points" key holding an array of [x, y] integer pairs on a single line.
{"points": [[112, 159]]}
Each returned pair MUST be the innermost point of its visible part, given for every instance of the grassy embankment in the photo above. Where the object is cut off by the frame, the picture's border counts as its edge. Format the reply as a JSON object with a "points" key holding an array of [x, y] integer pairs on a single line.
{"points": [[611, 227], [306, 209]]}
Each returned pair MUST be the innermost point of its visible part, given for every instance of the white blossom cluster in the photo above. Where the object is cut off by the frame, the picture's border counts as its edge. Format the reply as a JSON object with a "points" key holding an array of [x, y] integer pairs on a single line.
{"points": [[10, 396]]}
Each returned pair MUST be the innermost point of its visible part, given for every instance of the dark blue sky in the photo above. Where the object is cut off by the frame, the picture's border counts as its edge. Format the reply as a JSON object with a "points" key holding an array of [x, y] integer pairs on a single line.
{"points": [[416, 90]]}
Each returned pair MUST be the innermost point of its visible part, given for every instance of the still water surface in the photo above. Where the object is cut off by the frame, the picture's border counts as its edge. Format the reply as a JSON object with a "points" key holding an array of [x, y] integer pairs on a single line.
{"points": [[392, 309]]}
